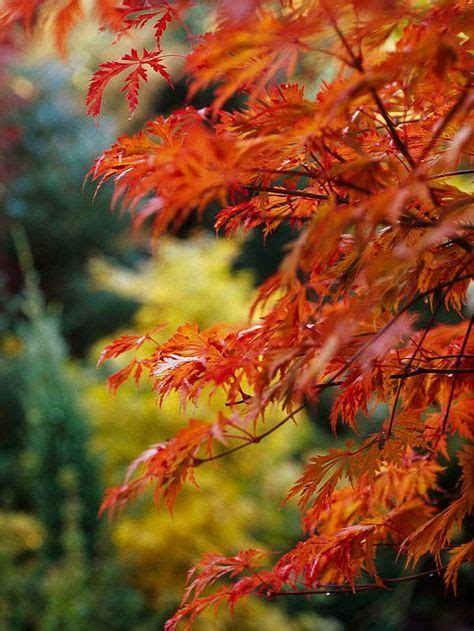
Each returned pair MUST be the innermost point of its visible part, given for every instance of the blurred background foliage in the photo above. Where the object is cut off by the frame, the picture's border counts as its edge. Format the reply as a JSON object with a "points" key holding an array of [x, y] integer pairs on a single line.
{"points": [[55, 147], [73, 277], [191, 281]]}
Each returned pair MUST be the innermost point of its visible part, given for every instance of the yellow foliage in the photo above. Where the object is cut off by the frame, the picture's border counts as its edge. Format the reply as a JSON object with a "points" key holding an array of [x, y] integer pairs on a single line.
{"points": [[191, 281], [188, 281], [10, 345], [19, 533]]}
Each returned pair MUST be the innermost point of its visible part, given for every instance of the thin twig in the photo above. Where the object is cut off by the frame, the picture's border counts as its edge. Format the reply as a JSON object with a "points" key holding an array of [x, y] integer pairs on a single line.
{"points": [[453, 385], [411, 360], [449, 285], [451, 174], [292, 192], [451, 113], [392, 129], [358, 65], [436, 357], [334, 589], [435, 371], [322, 386], [256, 439]]}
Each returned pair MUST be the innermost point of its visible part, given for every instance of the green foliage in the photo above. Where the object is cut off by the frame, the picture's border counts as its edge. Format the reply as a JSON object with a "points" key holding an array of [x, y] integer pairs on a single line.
{"points": [[78, 595], [72, 593], [48, 164], [14, 485], [56, 427], [262, 254], [57, 569], [55, 572]]}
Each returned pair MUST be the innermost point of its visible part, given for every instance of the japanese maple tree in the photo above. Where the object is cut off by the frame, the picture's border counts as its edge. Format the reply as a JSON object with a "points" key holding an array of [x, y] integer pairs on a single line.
{"points": [[373, 174]]}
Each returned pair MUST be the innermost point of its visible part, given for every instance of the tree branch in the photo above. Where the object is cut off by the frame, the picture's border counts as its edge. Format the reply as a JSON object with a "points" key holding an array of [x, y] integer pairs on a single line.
{"points": [[449, 285], [453, 385], [436, 371], [292, 193], [333, 382], [451, 174], [358, 65], [361, 587], [444, 123], [391, 127]]}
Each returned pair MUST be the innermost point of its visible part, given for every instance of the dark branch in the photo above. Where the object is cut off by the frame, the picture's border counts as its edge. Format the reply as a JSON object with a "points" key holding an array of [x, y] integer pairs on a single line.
{"points": [[451, 174], [289, 192], [445, 122], [358, 65], [322, 386], [453, 385], [361, 587], [431, 321], [436, 371]]}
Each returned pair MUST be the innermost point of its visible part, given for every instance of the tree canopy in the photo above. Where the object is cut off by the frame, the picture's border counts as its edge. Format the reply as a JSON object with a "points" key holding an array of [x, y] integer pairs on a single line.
{"points": [[353, 125]]}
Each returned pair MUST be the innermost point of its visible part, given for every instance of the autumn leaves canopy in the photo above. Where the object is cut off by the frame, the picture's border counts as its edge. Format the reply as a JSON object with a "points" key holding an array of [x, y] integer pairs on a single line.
{"points": [[370, 166]]}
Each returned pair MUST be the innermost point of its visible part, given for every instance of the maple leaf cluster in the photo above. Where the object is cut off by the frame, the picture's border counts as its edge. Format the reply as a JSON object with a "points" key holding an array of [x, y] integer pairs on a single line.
{"points": [[373, 174]]}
